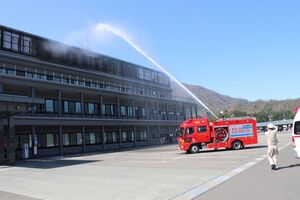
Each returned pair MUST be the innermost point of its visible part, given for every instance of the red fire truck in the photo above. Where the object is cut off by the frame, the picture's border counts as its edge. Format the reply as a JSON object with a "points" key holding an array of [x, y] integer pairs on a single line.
{"points": [[225, 133]]}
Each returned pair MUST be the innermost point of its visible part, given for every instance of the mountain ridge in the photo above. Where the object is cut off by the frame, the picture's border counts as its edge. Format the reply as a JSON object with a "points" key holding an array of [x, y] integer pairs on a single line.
{"points": [[218, 102]]}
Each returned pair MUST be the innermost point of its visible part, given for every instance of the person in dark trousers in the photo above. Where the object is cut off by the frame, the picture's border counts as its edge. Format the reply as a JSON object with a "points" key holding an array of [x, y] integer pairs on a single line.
{"points": [[272, 141]]}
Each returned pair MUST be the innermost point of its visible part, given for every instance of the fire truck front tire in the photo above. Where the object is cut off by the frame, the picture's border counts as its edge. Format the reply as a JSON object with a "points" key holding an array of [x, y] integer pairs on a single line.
{"points": [[194, 148], [236, 145]]}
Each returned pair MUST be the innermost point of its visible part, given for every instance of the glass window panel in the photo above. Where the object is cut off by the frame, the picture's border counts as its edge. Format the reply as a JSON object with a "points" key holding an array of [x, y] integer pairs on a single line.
{"points": [[73, 139], [79, 138], [49, 105], [66, 106], [10, 71], [78, 107], [92, 138], [91, 108], [20, 73], [7, 40], [123, 110], [66, 139], [50, 140], [15, 42]]}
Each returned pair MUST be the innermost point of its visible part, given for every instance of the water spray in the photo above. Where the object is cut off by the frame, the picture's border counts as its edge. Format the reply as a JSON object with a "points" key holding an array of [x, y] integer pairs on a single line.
{"points": [[117, 32]]}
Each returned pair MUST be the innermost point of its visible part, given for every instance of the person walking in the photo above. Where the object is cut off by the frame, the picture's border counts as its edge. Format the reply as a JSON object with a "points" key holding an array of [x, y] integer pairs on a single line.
{"points": [[272, 141]]}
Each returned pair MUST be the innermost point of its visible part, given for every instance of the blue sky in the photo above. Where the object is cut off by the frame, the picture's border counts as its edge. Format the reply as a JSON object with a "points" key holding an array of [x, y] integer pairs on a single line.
{"points": [[241, 48]]}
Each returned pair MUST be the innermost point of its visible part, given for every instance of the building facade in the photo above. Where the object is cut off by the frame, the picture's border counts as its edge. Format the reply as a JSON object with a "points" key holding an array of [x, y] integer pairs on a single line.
{"points": [[57, 99]]}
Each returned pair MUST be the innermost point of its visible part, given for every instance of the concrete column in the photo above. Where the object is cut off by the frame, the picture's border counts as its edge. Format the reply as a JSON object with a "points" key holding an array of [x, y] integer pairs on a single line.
{"points": [[61, 140], [157, 113], [159, 136], [148, 135], [118, 107], [167, 111], [176, 110], [134, 135], [11, 141], [133, 109], [120, 137], [59, 102], [191, 110], [83, 138], [146, 110], [169, 137], [1, 141], [33, 142], [196, 112], [82, 104], [103, 141], [100, 105], [33, 108], [184, 112], [1, 88]]}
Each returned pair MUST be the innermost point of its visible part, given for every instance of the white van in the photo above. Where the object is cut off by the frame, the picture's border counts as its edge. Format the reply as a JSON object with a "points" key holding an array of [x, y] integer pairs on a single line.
{"points": [[296, 134]]}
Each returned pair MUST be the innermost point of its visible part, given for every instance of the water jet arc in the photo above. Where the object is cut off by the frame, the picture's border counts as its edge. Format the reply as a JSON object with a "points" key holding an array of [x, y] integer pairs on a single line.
{"points": [[117, 32]]}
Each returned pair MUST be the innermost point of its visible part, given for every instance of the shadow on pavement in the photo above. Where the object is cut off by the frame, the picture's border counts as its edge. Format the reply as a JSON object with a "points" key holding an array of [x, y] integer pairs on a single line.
{"points": [[289, 166], [50, 164]]}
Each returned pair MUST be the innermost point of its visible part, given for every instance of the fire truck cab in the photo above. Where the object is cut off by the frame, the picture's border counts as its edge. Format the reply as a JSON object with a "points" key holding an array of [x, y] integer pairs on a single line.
{"points": [[225, 133]]}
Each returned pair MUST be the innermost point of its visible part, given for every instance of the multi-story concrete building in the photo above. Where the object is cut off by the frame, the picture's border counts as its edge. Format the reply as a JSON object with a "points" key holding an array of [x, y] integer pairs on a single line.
{"points": [[60, 100]]}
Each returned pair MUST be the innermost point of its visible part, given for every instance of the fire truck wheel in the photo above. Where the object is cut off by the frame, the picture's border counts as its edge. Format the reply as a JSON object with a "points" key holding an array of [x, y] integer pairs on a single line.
{"points": [[237, 145], [194, 148]]}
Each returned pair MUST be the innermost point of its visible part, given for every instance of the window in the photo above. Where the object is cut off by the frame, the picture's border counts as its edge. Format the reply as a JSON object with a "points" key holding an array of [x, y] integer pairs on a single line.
{"points": [[20, 73], [91, 108], [66, 140], [49, 77], [26, 44], [49, 105], [10, 71], [93, 138], [40, 76], [189, 131], [66, 107], [297, 128], [7, 40], [73, 81], [123, 111], [66, 80], [87, 83], [94, 85], [130, 111], [111, 137], [127, 136], [201, 129], [79, 138], [141, 136], [48, 140], [72, 139], [30, 74], [80, 82], [108, 109], [77, 107], [15, 42], [57, 79]]}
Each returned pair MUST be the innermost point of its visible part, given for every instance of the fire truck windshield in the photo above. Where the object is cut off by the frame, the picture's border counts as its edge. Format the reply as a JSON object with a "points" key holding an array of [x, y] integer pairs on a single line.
{"points": [[180, 131]]}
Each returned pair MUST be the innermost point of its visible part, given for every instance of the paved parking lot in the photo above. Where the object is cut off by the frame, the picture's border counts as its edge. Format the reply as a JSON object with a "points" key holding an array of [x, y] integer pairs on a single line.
{"points": [[152, 173]]}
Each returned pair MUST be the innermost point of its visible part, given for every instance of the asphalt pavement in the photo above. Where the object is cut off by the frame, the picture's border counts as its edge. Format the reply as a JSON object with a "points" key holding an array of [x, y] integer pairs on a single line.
{"points": [[259, 182]]}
